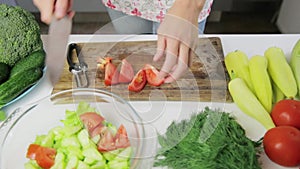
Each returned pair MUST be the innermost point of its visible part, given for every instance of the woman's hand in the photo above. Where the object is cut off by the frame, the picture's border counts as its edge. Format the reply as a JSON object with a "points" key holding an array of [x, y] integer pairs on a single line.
{"points": [[177, 37], [54, 8]]}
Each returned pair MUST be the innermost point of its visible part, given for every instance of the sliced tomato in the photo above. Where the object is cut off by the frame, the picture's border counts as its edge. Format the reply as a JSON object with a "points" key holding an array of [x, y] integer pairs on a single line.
{"points": [[97, 130], [91, 120], [107, 141], [31, 151], [126, 72], [138, 82], [121, 140], [102, 62], [111, 74], [44, 156], [152, 76]]}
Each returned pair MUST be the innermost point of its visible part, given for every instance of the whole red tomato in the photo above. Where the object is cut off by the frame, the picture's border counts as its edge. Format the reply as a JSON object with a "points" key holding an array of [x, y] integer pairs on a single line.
{"points": [[282, 145], [286, 113]]}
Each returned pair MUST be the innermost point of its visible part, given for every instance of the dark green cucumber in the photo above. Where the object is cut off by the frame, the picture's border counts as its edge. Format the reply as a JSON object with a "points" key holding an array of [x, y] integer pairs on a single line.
{"points": [[17, 84], [34, 60], [4, 72]]}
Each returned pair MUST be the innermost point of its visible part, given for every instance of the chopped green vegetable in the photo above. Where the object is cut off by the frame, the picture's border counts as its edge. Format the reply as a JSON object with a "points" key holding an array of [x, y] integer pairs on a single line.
{"points": [[209, 140], [2, 115], [84, 107]]}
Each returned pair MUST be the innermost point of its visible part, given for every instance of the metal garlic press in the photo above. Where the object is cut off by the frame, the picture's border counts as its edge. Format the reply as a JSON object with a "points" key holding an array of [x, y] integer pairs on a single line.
{"points": [[77, 66]]}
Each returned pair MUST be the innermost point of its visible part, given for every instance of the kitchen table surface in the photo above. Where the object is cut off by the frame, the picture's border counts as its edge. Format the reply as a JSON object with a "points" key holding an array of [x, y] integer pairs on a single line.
{"points": [[250, 44]]}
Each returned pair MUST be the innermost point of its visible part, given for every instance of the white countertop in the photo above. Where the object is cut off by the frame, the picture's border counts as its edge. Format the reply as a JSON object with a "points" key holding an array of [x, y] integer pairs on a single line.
{"points": [[250, 44]]}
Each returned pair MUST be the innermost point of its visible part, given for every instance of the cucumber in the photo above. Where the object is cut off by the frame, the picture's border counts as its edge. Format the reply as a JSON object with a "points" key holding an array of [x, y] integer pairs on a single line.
{"points": [[4, 72], [17, 84], [34, 60]]}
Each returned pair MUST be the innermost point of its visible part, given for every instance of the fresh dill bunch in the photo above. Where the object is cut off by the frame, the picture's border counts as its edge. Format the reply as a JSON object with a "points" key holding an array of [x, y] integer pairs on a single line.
{"points": [[211, 139]]}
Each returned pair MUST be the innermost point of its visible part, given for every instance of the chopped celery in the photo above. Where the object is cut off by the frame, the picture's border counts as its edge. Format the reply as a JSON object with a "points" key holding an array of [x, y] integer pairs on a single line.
{"points": [[2, 115], [83, 137], [59, 162], [99, 165], [71, 141], [71, 130], [118, 164], [92, 153], [110, 155], [31, 164], [48, 140], [89, 161], [82, 165], [84, 107], [76, 151], [72, 162], [72, 119], [124, 155], [39, 139]]}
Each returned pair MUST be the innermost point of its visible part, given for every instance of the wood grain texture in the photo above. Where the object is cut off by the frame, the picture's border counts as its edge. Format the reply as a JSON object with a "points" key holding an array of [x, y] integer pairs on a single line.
{"points": [[206, 79]]}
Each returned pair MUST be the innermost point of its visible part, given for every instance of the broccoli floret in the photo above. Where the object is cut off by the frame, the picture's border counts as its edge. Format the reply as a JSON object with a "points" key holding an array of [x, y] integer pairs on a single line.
{"points": [[19, 34]]}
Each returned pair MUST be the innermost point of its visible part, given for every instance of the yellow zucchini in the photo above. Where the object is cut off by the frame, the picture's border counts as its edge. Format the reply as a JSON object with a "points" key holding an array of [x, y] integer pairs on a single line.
{"points": [[261, 82], [295, 63], [237, 65], [281, 72], [277, 93], [248, 103]]}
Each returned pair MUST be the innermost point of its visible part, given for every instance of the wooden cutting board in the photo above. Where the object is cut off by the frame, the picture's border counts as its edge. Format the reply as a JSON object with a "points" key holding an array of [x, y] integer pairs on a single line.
{"points": [[206, 79]]}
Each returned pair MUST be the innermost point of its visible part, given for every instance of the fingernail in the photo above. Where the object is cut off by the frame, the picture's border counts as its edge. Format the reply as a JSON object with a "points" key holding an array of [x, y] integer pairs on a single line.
{"points": [[71, 14], [59, 13]]}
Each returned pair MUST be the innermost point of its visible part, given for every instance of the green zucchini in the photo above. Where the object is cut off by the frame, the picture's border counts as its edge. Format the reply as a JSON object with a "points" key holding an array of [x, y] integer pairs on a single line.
{"points": [[4, 72], [34, 60], [17, 84]]}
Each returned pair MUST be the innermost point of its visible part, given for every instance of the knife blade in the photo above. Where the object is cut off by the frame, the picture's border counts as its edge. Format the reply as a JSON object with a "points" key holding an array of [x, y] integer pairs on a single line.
{"points": [[58, 37]]}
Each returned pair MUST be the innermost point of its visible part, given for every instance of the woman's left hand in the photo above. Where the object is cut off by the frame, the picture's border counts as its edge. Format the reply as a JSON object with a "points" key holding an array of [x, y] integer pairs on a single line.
{"points": [[177, 37]]}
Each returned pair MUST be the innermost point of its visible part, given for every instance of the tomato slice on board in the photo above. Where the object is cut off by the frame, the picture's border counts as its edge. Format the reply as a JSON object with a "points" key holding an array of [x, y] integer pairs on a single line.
{"points": [[107, 141], [126, 72], [102, 62], [44, 156], [151, 75], [111, 74], [121, 140], [91, 120], [138, 82]]}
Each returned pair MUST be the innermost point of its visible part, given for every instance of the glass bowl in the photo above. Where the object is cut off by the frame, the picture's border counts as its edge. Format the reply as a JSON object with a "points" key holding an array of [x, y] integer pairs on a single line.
{"points": [[25, 123]]}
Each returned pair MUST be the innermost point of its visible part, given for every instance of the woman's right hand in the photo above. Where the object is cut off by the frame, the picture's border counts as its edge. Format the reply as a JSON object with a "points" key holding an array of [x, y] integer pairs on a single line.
{"points": [[54, 8]]}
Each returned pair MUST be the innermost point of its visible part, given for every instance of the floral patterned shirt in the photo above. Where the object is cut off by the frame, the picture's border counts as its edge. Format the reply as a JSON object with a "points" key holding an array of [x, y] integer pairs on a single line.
{"points": [[153, 10]]}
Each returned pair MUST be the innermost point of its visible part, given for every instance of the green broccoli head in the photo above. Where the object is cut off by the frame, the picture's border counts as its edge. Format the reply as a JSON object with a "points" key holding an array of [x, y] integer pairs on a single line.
{"points": [[19, 34]]}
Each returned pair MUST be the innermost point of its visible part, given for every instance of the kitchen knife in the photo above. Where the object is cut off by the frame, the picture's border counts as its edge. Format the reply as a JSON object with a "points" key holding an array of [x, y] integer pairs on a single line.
{"points": [[58, 38]]}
